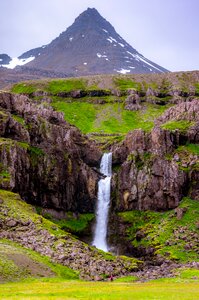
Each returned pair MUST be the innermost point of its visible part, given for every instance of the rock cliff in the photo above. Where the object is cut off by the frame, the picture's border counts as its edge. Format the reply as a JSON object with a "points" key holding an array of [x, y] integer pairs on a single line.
{"points": [[44, 159], [51, 164], [155, 170]]}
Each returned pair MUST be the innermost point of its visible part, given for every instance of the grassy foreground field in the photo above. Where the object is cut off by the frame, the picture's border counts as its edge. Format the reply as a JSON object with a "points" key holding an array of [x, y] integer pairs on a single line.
{"points": [[100, 290]]}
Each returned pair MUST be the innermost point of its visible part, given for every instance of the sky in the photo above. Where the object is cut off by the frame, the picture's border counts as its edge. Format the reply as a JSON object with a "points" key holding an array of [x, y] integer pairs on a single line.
{"points": [[164, 31]]}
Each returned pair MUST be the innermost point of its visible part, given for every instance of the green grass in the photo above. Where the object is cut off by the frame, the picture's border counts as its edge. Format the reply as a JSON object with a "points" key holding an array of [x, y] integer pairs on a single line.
{"points": [[126, 279], [65, 85], [161, 228], [54, 289], [182, 125], [197, 89], [190, 148], [108, 118], [126, 83], [52, 86], [20, 210], [19, 119], [73, 224], [79, 114], [23, 88]]}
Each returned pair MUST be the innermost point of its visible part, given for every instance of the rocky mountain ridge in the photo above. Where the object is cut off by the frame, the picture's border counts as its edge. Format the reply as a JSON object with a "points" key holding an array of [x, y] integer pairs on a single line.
{"points": [[89, 46]]}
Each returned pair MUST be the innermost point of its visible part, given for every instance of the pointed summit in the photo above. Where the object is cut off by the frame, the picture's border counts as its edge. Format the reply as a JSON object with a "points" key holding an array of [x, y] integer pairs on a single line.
{"points": [[89, 16], [89, 46]]}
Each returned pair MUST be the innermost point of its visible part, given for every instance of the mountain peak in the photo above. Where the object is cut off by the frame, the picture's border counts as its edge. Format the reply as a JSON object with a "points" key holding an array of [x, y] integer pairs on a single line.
{"points": [[90, 17], [89, 46], [90, 12]]}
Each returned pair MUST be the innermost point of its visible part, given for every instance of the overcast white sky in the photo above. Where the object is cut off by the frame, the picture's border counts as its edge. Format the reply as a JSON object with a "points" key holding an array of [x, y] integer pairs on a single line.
{"points": [[164, 31]]}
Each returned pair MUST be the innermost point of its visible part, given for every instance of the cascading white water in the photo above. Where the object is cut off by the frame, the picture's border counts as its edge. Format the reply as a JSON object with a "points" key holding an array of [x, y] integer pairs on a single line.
{"points": [[103, 201]]}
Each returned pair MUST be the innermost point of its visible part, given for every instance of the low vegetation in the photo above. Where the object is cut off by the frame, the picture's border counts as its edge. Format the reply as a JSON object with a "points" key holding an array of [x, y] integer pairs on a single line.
{"points": [[178, 289], [18, 263], [108, 118], [75, 224], [126, 83], [171, 237], [182, 125]]}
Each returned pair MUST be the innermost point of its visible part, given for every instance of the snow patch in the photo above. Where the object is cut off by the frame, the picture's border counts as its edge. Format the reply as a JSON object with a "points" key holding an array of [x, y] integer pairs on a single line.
{"points": [[141, 58], [83, 35], [122, 45], [100, 55], [18, 62], [110, 40], [130, 53], [122, 71], [43, 46], [70, 39], [132, 67], [146, 62], [85, 63], [1, 59], [115, 45], [105, 30], [114, 40], [107, 59]]}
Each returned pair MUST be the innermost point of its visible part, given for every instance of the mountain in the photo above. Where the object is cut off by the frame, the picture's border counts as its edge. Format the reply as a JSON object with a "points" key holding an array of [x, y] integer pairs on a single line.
{"points": [[89, 46]]}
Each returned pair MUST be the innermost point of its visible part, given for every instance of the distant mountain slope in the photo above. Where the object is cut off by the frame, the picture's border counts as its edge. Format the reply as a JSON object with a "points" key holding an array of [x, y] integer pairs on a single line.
{"points": [[89, 46]]}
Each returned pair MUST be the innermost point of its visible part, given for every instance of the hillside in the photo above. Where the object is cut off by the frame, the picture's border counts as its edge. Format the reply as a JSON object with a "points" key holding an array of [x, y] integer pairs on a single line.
{"points": [[53, 135]]}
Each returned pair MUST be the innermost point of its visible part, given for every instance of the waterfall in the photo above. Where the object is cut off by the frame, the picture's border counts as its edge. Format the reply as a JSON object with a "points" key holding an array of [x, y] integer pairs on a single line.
{"points": [[103, 201]]}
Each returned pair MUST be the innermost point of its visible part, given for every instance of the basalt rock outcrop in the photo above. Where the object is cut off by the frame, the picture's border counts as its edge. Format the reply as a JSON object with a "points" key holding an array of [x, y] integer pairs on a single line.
{"points": [[51, 164], [44, 159], [152, 173]]}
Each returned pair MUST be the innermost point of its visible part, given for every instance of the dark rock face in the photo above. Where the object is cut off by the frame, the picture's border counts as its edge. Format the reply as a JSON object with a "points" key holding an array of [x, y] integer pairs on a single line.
{"points": [[149, 176], [90, 46], [4, 59], [49, 162]]}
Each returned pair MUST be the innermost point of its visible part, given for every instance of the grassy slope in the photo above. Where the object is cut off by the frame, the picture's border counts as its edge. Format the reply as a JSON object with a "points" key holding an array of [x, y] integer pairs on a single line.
{"points": [[90, 117], [108, 118], [163, 231], [73, 224], [12, 266], [18, 263]]}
